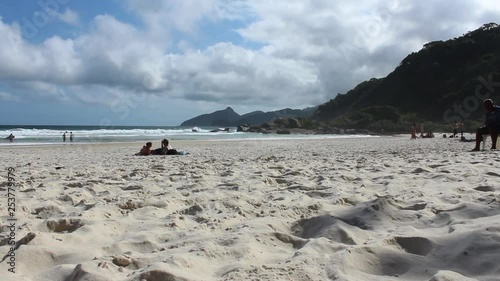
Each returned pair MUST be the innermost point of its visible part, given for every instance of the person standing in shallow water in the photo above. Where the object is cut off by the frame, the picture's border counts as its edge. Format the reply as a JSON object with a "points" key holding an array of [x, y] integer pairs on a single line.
{"points": [[491, 125], [64, 137], [71, 136]]}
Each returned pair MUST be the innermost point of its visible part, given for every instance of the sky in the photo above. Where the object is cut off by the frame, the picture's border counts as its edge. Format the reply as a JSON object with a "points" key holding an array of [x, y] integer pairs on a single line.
{"points": [[161, 62]]}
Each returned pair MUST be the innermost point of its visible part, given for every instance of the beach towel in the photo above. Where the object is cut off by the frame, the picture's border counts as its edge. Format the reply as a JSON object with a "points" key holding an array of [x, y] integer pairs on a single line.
{"points": [[169, 152]]}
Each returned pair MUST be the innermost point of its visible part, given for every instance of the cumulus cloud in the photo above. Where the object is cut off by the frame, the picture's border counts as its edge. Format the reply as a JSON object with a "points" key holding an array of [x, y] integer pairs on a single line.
{"points": [[186, 15], [231, 74], [69, 16], [302, 54]]}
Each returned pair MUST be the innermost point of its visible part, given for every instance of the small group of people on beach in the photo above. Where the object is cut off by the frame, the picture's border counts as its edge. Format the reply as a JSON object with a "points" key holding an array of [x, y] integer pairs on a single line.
{"points": [[71, 136], [165, 149], [422, 133], [456, 126], [491, 127]]}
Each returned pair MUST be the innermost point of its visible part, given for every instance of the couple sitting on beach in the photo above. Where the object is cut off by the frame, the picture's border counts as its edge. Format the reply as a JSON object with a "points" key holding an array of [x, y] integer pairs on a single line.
{"points": [[165, 149]]}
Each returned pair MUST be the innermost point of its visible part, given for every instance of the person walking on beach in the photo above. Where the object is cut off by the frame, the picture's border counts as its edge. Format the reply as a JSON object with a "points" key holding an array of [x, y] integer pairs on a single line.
{"points": [[71, 136], [413, 131], [421, 130], [491, 125], [462, 130]]}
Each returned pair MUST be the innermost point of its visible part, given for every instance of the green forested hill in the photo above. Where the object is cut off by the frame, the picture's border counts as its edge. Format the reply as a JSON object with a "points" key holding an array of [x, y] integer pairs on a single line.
{"points": [[444, 82]]}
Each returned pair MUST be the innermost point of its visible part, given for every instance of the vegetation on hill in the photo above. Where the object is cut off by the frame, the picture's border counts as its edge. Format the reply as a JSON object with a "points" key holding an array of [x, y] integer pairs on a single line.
{"points": [[260, 117], [445, 82]]}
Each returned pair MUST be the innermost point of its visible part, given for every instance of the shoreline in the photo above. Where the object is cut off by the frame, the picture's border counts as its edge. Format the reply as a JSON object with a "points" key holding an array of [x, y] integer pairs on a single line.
{"points": [[274, 137]]}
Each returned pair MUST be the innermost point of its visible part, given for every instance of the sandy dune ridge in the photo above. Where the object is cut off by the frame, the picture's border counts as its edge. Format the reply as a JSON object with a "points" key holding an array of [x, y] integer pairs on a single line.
{"points": [[336, 209]]}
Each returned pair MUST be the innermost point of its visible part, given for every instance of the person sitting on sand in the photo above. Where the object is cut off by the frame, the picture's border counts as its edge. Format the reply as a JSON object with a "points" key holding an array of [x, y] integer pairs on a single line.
{"points": [[428, 135], [146, 150], [491, 125], [163, 150], [165, 145], [464, 139]]}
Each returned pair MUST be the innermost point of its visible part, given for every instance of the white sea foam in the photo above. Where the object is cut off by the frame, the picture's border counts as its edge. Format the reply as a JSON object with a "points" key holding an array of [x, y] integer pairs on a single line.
{"points": [[43, 136]]}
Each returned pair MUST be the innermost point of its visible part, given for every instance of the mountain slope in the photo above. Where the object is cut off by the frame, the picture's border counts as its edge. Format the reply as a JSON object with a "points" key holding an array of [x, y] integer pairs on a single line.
{"points": [[437, 84], [259, 117], [221, 118], [229, 118]]}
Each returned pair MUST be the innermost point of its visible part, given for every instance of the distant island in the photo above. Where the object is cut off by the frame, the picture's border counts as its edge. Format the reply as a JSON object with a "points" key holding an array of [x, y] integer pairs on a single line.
{"points": [[443, 83]]}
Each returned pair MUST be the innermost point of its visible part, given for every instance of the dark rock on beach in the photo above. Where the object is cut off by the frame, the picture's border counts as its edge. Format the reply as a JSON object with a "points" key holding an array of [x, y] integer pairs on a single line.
{"points": [[286, 126]]}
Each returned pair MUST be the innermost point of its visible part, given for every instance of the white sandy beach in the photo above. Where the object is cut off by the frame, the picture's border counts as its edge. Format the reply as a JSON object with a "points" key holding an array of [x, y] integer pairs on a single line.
{"points": [[383, 208]]}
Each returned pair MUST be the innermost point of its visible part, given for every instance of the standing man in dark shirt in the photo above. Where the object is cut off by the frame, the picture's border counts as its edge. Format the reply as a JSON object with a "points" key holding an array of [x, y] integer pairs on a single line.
{"points": [[492, 125]]}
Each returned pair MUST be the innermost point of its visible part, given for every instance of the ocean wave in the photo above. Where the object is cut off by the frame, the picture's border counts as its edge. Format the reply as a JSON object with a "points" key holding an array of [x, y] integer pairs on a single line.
{"points": [[45, 136]]}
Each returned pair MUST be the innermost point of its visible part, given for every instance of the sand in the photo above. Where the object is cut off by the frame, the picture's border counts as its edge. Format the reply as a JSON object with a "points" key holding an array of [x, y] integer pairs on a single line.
{"points": [[385, 208]]}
